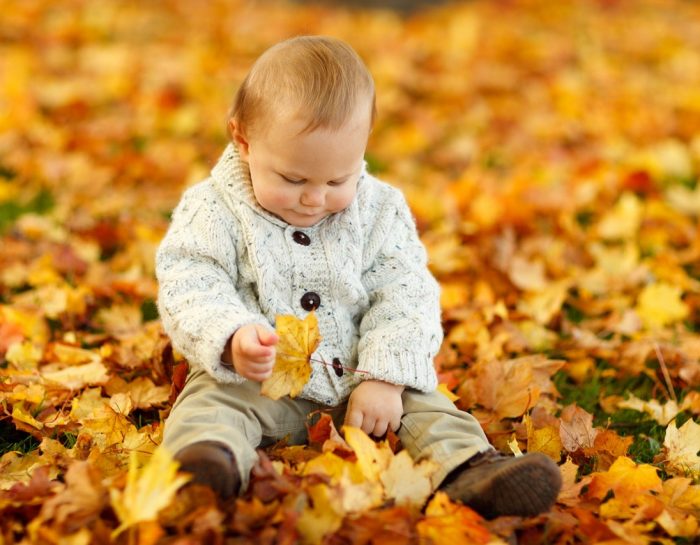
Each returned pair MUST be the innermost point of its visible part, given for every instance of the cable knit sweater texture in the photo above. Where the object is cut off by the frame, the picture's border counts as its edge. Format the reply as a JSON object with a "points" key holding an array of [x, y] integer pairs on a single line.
{"points": [[226, 262]]}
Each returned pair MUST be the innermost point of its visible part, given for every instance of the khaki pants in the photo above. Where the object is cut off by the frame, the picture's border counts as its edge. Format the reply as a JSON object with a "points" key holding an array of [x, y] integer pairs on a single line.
{"points": [[238, 416]]}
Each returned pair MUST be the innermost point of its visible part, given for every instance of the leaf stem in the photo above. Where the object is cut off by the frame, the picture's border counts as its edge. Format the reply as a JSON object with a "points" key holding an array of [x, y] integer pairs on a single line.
{"points": [[349, 369]]}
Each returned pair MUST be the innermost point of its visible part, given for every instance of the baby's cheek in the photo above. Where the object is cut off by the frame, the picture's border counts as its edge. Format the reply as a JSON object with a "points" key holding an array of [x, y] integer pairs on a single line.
{"points": [[341, 201], [275, 200]]}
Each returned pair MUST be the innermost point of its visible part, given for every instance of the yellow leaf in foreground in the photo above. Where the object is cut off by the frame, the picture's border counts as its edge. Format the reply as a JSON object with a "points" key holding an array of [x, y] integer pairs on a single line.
{"points": [[372, 459], [408, 483], [298, 339], [320, 519], [448, 523], [404, 481], [16, 468], [147, 491], [682, 446], [660, 305], [444, 390]]}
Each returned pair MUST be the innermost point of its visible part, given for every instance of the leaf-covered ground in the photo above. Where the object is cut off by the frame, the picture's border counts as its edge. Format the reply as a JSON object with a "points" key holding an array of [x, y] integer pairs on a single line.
{"points": [[550, 152]]}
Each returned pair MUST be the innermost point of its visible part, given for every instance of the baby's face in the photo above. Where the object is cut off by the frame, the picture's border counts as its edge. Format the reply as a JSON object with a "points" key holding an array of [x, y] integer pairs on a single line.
{"points": [[303, 178]]}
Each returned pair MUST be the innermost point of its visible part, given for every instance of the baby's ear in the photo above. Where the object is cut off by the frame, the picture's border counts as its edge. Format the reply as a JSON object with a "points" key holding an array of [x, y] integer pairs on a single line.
{"points": [[238, 138]]}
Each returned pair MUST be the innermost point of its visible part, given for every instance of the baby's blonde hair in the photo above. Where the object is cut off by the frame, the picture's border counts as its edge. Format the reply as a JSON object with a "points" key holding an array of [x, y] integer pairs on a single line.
{"points": [[323, 79]]}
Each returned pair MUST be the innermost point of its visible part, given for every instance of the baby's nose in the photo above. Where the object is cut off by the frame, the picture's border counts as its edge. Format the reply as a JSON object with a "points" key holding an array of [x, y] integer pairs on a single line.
{"points": [[314, 196]]}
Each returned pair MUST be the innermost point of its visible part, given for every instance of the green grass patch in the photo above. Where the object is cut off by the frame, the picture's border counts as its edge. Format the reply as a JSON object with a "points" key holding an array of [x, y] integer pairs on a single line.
{"points": [[149, 310], [14, 440], [11, 211]]}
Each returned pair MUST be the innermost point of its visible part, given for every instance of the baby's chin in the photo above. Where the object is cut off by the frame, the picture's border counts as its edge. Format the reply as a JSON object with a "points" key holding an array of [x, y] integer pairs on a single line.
{"points": [[296, 219]]}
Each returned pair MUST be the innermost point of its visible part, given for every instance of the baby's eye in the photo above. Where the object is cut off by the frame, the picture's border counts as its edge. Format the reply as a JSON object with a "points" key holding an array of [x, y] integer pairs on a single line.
{"points": [[292, 181], [336, 182]]}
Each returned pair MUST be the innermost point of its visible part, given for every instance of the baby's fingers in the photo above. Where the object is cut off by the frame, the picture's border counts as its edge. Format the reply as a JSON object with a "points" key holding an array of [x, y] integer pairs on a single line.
{"points": [[266, 337], [353, 418], [380, 427], [257, 371], [254, 351]]}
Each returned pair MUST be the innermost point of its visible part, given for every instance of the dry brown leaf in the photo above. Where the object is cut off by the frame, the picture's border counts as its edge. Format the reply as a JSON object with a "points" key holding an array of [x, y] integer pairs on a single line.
{"points": [[576, 429]]}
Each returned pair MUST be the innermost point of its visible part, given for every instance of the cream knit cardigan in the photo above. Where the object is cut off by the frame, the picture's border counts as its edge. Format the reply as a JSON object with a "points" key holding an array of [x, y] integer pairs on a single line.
{"points": [[226, 262]]}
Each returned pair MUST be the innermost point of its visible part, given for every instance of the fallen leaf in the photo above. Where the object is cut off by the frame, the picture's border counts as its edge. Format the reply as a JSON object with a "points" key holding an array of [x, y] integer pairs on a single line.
{"points": [[78, 376], [444, 390], [148, 490], [408, 483], [576, 429], [663, 414], [682, 446], [448, 523], [320, 518], [623, 220], [660, 304], [570, 489], [372, 459], [79, 503], [607, 447], [626, 479], [298, 339]]}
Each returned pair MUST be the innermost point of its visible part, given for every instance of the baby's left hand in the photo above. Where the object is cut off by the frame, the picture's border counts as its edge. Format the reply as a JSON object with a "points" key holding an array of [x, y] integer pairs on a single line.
{"points": [[375, 407]]}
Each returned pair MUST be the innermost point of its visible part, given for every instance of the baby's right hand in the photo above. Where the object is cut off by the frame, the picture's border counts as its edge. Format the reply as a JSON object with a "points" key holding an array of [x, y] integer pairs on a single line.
{"points": [[253, 351]]}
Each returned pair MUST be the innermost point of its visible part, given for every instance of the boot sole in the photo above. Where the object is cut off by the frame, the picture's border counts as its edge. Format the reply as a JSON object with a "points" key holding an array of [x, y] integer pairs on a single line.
{"points": [[525, 487]]}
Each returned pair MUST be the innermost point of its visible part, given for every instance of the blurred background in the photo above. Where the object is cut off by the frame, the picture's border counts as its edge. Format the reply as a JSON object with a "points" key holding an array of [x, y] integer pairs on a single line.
{"points": [[97, 97], [499, 119]]}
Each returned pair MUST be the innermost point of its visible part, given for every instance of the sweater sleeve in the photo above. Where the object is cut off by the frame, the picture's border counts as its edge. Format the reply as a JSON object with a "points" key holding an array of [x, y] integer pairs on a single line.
{"points": [[197, 271], [401, 332]]}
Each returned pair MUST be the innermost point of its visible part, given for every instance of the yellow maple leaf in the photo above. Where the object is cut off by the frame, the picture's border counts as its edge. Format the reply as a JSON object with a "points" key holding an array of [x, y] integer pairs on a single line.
{"points": [[298, 339], [147, 491], [322, 518], [20, 413], [660, 304], [372, 459], [406, 482], [682, 446], [545, 440], [626, 479]]}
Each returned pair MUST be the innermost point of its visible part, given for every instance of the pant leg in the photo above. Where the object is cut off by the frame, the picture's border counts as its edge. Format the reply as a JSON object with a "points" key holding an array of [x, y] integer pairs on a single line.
{"points": [[236, 415], [433, 427]]}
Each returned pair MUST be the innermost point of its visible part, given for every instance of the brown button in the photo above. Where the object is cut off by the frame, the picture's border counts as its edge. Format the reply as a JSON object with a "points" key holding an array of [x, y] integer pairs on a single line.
{"points": [[310, 301], [337, 367], [301, 238]]}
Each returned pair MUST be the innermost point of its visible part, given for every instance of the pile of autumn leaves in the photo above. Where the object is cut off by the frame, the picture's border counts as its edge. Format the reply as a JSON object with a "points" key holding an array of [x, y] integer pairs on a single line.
{"points": [[556, 190]]}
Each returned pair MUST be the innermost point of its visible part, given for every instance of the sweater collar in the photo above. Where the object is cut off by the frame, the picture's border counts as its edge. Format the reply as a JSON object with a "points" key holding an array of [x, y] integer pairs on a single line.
{"points": [[232, 176]]}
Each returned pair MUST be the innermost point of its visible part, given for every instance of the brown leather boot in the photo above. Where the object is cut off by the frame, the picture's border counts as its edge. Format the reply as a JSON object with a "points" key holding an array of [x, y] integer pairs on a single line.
{"points": [[495, 485], [211, 464]]}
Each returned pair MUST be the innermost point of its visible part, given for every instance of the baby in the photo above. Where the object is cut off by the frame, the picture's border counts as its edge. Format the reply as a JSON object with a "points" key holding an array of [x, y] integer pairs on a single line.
{"points": [[290, 222]]}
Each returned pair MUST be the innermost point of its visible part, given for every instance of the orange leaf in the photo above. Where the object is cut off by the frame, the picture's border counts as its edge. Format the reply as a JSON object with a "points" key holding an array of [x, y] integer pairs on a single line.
{"points": [[448, 523], [298, 340]]}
